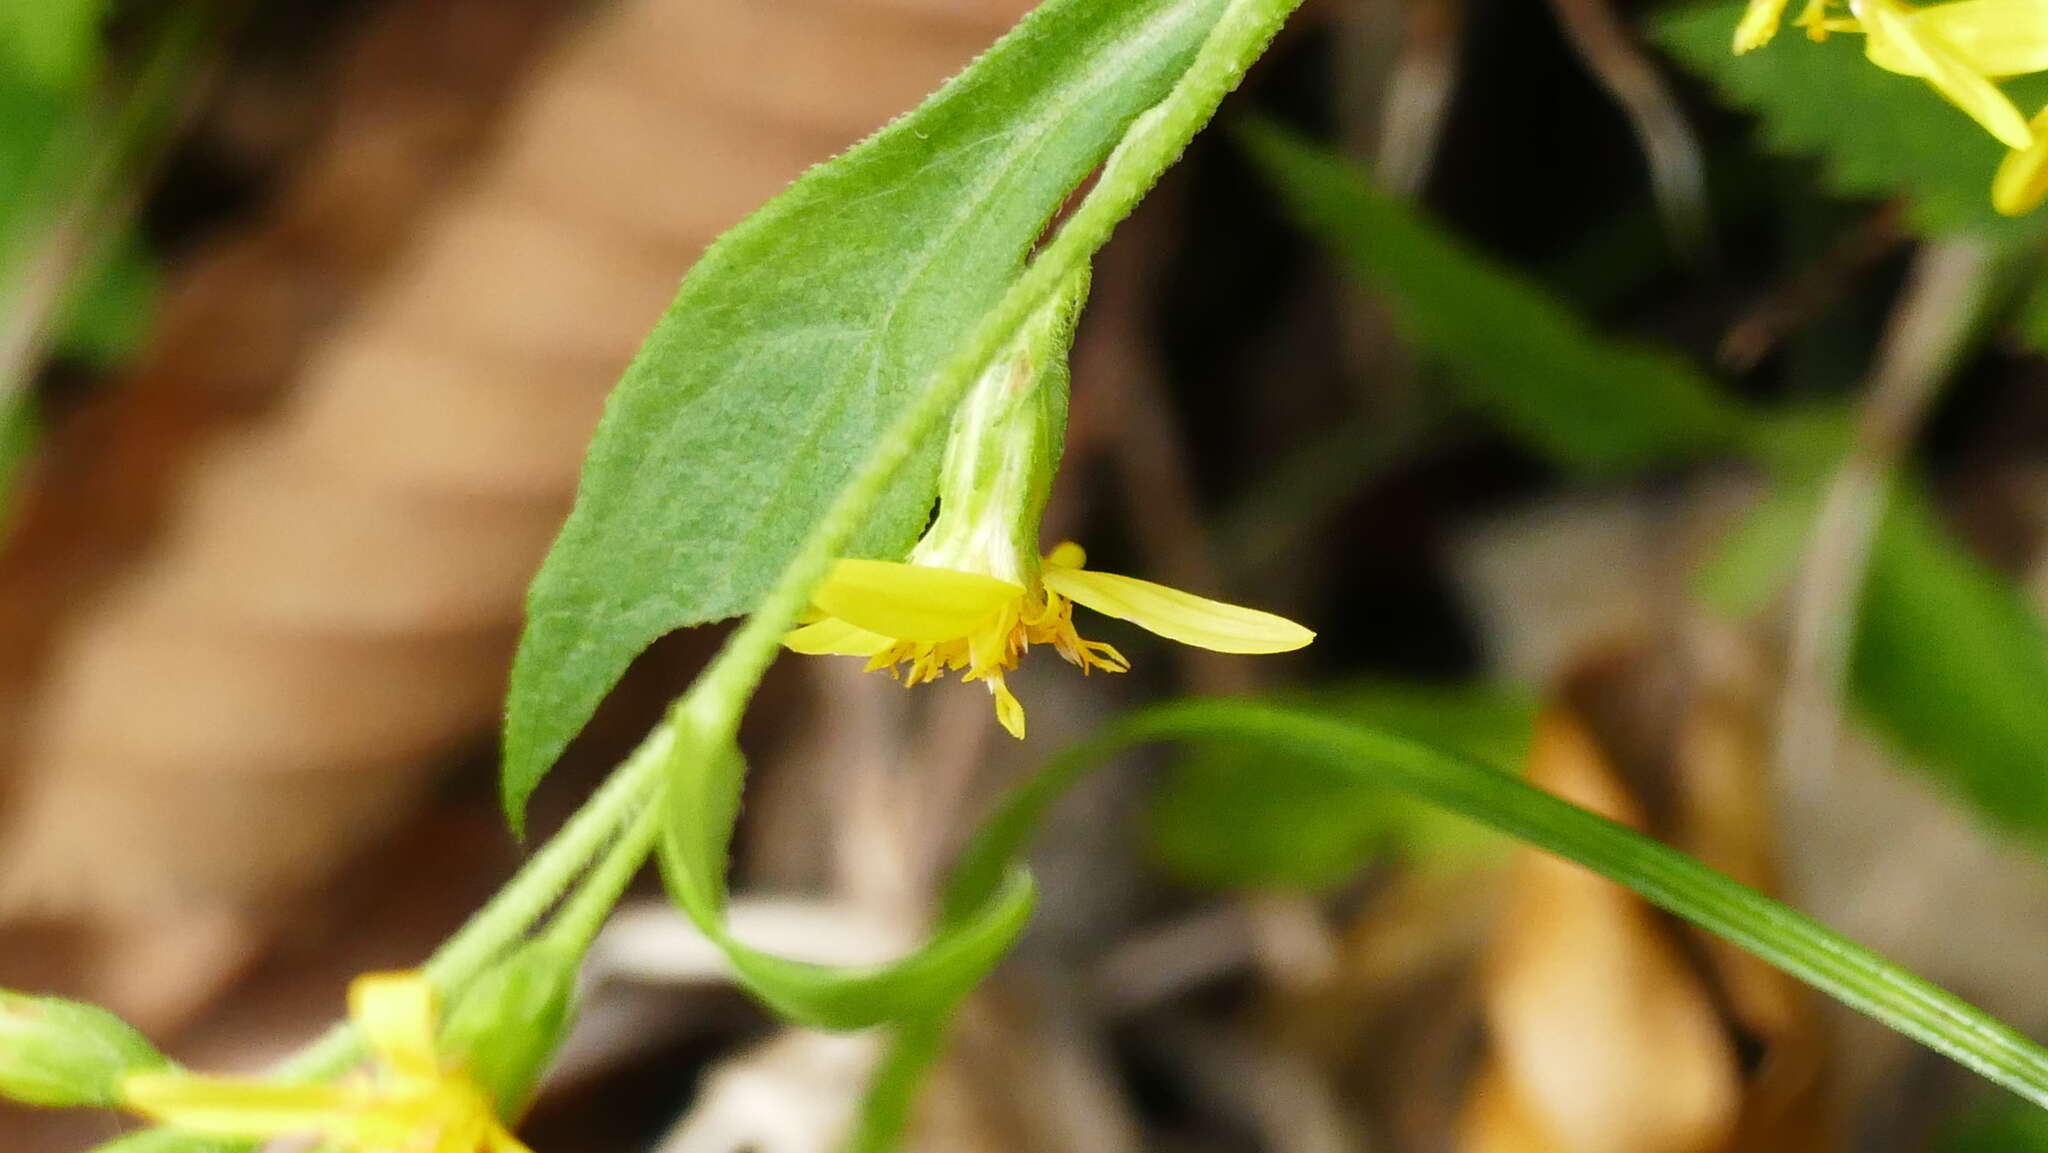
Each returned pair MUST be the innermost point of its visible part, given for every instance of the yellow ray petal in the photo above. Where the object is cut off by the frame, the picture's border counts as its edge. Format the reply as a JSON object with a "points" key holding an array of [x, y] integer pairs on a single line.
{"points": [[1176, 615], [912, 602], [395, 1013], [1891, 32], [223, 1107], [1989, 37], [2022, 180], [1759, 24], [834, 637], [501, 1141], [1009, 710]]}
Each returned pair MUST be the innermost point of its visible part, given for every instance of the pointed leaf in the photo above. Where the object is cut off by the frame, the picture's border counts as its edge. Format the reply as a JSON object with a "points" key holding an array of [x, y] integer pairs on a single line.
{"points": [[802, 334], [1875, 133], [1589, 401]]}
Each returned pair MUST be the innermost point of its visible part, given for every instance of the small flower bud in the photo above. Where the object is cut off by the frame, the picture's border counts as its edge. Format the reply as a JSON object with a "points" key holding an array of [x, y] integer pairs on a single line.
{"points": [[507, 1025], [55, 1052]]}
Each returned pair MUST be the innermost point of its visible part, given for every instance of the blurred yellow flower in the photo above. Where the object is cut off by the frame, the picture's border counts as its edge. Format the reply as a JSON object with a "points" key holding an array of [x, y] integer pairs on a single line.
{"points": [[921, 621], [1960, 48], [409, 1103], [2022, 180]]}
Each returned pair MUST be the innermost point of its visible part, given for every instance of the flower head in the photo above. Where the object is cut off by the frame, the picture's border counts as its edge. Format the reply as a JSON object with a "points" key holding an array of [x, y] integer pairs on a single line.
{"points": [[1961, 49], [410, 1102], [923, 620]]}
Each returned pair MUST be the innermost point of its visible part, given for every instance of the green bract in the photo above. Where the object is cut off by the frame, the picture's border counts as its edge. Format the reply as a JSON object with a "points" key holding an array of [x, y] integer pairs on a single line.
{"points": [[506, 1026]]}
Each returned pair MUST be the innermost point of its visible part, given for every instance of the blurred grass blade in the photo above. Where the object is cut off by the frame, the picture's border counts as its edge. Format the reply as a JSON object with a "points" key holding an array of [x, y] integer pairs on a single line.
{"points": [[1513, 349], [1876, 134], [1219, 819], [1667, 878], [800, 338], [1951, 663], [17, 436], [71, 169]]}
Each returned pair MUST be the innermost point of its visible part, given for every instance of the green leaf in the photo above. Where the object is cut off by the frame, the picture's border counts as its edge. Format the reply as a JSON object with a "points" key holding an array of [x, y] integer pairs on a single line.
{"points": [[802, 334], [704, 788], [1876, 134], [47, 144], [107, 314], [17, 437], [1221, 819], [2005, 1126], [1663, 876], [52, 43], [55, 1052], [1754, 563], [1951, 663], [1588, 401]]}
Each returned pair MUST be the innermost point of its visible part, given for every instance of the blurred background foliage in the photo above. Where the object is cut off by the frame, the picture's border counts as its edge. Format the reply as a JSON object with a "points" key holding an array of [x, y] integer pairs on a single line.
{"points": [[1663, 426]]}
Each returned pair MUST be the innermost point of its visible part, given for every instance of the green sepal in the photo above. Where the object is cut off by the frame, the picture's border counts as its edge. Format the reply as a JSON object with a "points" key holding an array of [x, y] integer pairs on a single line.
{"points": [[507, 1024], [1004, 449]]}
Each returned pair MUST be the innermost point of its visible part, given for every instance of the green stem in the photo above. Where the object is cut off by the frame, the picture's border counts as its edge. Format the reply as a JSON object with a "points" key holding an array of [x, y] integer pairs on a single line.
{"points": [[507, 917], [580, 918]]}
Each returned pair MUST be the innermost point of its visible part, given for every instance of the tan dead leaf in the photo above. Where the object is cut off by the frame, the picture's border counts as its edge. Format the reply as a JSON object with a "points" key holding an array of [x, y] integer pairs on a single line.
{"points": [[329, 605], [1722, 766], [1602, 1039]]}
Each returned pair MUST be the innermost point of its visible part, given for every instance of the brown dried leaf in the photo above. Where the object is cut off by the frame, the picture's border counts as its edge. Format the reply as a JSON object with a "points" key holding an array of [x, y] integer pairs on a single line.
{"points": [[1722, 764], [330, 605], [1602, 1039]]}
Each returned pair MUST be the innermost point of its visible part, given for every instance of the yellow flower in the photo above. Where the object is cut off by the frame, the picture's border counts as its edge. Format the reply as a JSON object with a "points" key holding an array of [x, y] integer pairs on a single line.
{"points": [[2022, 180], [1960, 48], [1927, 43], [410, 1103], [922, 621], [1758, 25]]}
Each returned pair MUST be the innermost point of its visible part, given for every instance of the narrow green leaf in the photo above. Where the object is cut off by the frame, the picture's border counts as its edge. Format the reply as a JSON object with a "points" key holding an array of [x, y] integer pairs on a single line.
{"points": [[55, 1052], [1754, 563], [1665, 877], [1589, 401], [1951, 663], [1219, 819], [17, 437], [803, 333], [1877, 134], [926, 982], [703, 794], [108, 312]]}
